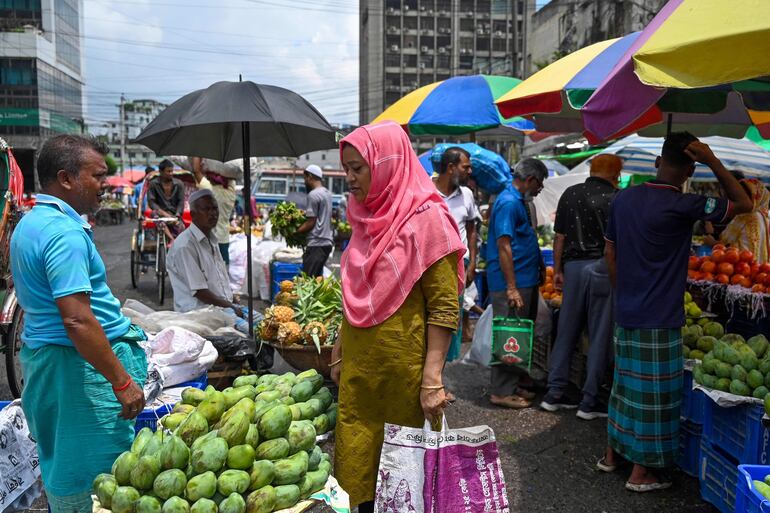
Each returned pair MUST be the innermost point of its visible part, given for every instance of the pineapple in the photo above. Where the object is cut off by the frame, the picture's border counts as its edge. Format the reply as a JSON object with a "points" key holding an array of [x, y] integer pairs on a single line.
{"points": [[267, 330], [279, 314], [285, 298], [287, 286], [289, 333], [315, 333]]}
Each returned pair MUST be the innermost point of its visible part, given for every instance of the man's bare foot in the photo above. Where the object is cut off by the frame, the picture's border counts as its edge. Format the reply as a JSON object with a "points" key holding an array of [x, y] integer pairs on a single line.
{"points": [[510, 401]]}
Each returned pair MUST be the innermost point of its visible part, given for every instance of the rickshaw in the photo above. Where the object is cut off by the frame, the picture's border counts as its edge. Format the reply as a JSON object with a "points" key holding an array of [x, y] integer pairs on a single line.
{"points": [[11, 314], [151, 238]]}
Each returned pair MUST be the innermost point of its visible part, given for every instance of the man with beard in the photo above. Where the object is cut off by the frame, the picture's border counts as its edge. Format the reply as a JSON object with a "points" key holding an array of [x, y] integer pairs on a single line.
{"points": [[83, 366], [453, 173], [514, 269]]}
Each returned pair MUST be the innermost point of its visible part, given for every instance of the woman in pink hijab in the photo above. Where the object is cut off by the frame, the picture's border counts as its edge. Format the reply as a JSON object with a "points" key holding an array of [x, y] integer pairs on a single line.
{"points": [[401, 274]]}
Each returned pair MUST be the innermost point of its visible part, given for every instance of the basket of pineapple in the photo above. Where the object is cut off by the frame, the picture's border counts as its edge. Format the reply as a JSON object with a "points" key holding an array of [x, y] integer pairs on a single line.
{"points": [[303, 322]]}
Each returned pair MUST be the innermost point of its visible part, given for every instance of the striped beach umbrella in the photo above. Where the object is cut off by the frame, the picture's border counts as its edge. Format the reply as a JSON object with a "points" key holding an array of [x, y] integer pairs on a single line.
{"points": [[459, 105]]}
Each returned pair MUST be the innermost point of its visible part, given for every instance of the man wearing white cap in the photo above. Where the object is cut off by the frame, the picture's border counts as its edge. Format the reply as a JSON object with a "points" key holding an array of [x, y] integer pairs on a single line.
{"points": [[195, 265], [318, 225]]}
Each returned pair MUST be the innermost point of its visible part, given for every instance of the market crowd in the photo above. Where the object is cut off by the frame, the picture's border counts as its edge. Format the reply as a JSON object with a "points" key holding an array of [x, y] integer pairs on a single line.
{"points": [[620, 258]]}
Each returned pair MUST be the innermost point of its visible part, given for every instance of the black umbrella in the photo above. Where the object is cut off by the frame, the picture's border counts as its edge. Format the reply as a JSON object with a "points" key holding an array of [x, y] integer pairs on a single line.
{"points": [[231, 120]]}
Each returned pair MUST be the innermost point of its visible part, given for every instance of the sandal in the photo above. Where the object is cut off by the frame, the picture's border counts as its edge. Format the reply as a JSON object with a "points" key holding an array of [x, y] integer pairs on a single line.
{"points": [[605, 467], [512, 401], [647, 487]]}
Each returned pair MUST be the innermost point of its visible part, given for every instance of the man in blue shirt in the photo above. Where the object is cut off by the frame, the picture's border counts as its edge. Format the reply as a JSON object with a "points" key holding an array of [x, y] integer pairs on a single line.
{"points": [[514, 267], [649, 234], [82, 364]]}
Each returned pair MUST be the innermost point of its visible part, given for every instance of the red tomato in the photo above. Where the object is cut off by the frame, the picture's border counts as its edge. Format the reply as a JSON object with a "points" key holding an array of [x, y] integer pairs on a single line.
{"points": [[693, 263], [736, 279], [746, 256], [760, 278], [764, 268], [754, 268], [708, 276], [758, 288], [719, 246], [732, 255], [746, 283], [708, 266], [726, 269], [718, 256], [722, 278], [743, 268]]}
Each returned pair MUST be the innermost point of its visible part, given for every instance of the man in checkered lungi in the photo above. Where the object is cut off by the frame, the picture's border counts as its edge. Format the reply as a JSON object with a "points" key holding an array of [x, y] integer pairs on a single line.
{"points": [[648, 242]]}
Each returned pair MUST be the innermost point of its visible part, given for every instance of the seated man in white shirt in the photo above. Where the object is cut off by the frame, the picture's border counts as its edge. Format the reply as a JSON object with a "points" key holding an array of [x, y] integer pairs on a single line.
{"points": [[195, 265]]}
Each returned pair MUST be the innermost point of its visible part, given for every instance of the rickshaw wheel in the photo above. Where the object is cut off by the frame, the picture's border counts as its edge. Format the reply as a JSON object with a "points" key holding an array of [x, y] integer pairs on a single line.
{"points": [[13, 347]]}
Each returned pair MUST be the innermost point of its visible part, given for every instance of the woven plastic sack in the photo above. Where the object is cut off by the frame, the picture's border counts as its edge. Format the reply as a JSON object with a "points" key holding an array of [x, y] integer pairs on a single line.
{"points": [[490, 171], [512, 342]]}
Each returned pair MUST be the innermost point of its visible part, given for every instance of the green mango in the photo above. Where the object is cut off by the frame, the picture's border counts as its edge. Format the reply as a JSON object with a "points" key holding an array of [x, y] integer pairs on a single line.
{"points": [[739, 388], [234, 395], [317, 381], [760, 392], [694, 354], [236, 428], [234, 503], [204, 506], [723, 384], [183, 408], [212, 408], [755, 379], [730, 356], [104, 487], [193, 427], [307, 374], [296, 413], [202, 440], [121, 469], [174, 453], [252, 436], [302, 391], [233, 481], [316, 405], [758, 344], [767, 404], [246, 380], [301, 436], [240, 457], [124, 498], [710, 366], [312, 482], [263, 408], [147, 504], [767, 380], [144, 473], [274, 423], [261, 474], [286, 496], [176, 505], [201, 486], [288, 401], [172, 420], [193, 396], [261, 501], [713, 329], [325, 466], [269, 397], [290, 470], [738, 372], [169, 483], [732, 338], [263, 387], [749, 361], [321, 424], [211, 456], [284, 389], [331, 414], [142, 438], [273, 449], [764, 364], [706, 344], [314, 458], [762, 488], [266, 378], [325, 396], [724, 370], [247, 406]]}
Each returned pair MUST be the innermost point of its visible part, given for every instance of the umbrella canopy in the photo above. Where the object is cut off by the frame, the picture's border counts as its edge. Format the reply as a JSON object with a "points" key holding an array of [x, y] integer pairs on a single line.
{"points": [[459, 105], [133, 174], [231, 120], [639, 154], [118, 181], [209, 123], [689, 48]]}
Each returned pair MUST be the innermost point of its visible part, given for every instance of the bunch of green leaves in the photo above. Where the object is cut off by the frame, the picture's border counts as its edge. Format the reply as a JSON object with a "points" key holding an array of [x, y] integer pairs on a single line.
{"points": [[319, 300], [286, 218]]}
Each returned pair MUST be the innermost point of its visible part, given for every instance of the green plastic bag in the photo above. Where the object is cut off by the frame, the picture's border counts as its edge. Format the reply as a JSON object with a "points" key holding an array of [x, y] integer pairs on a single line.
{"points": [[512, 342]]}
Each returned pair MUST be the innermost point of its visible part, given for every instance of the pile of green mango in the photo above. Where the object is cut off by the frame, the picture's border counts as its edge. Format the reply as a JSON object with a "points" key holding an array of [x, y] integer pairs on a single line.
{"points": [[735, 365], [248, 449], [763, 487], [699, 338]]}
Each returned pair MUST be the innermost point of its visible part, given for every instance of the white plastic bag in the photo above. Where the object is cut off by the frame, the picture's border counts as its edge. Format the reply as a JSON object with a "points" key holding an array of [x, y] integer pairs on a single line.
{"points": [[481, 347], [180, 355]]}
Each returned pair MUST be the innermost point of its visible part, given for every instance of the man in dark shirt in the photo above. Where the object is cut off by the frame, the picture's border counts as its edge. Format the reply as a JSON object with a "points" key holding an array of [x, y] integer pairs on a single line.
{"points": [[649, 234], [165, 196], [580, 270]]}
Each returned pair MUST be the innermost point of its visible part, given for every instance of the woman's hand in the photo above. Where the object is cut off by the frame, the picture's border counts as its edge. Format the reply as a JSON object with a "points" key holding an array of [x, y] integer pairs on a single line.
{"points": [[433, 403]]}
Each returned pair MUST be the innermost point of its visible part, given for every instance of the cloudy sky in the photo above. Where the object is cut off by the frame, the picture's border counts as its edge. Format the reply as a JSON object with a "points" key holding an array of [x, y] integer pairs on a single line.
{"points": [[163, 49]]}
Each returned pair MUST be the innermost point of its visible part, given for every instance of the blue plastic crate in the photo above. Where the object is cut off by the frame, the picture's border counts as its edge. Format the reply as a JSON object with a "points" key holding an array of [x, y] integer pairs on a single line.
{"points": [[3, 404], [689, 446], [200, 382], [280, 271], [547, 256], [738, 431], [702, 250], [149, 417], [693, 401], [747, 499], [718, 476]]}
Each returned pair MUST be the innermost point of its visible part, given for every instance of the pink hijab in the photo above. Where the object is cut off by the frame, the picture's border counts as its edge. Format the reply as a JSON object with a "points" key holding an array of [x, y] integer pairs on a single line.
{"points": [[400, 230]]}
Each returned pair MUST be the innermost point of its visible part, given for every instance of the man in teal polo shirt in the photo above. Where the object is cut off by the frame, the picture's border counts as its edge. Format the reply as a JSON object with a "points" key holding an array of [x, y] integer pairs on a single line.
{"points": [[82, 364]]}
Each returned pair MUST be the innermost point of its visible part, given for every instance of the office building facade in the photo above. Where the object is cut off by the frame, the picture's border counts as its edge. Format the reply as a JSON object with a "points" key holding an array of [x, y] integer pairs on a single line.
{"points": [[41, 80], [407, 44]]}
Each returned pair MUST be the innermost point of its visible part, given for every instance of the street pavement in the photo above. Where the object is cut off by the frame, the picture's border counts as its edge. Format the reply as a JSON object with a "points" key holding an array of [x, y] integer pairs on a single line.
{"points": [[548, 459]]}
